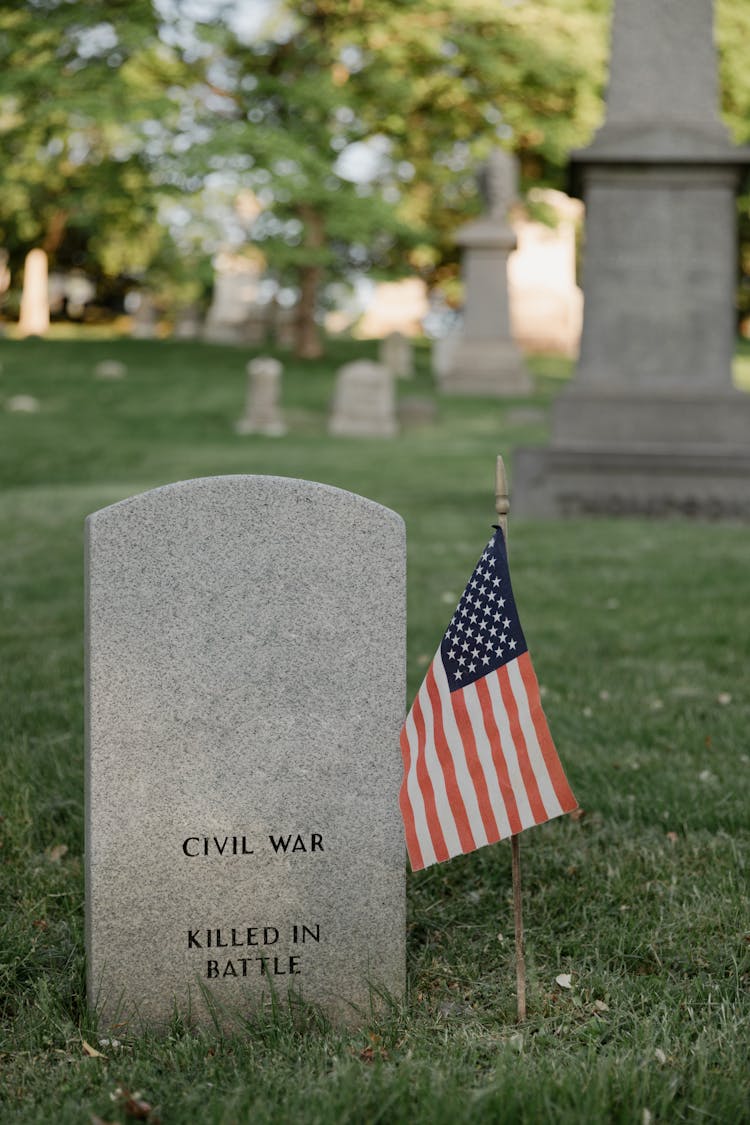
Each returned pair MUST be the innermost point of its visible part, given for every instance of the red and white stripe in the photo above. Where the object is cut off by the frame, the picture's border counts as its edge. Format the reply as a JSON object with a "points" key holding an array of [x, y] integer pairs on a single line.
{"points": [[479, 763]]}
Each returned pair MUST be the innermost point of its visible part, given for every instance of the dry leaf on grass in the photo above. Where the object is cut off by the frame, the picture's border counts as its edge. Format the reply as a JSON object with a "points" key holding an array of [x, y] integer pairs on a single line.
{"points": [[56, 853], [370, 1054], [601, 1006], [91, 1051], [563, 980]]}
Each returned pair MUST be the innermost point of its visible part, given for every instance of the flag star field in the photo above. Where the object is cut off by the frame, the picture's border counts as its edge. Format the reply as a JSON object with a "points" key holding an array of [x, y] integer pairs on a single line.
{"points": [[484, 633]]}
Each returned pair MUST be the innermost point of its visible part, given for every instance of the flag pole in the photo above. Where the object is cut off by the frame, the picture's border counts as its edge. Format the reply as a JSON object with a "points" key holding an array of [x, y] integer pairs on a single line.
{"points": [[502, 507]]}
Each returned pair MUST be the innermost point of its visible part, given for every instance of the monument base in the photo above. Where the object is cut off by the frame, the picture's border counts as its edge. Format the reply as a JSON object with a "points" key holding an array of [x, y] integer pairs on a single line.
{"points": [[709, 482], [486, 367], [677, 416]]}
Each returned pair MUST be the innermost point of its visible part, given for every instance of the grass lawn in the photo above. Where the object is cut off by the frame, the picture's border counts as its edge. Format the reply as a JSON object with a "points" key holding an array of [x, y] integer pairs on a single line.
{"points": [[640, 634]]}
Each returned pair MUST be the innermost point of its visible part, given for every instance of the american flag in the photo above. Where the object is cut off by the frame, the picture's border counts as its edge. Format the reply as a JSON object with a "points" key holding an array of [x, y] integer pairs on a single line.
{"points": [[479, 761]]}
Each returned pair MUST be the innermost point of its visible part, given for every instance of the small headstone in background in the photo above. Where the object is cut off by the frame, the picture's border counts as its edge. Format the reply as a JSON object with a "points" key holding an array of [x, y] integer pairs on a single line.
{"points": [[22, 404], [236, 288], [364, 402], [417, 410], [245, 672], [110, 369], [396, 352], [34, 316], [188, 323], [442, 357], [262, 408], [145, 318]]}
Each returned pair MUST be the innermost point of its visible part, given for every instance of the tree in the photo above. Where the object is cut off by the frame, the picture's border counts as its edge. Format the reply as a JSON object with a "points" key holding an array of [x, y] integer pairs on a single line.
{"points": [[423, 89], [83, 101]]}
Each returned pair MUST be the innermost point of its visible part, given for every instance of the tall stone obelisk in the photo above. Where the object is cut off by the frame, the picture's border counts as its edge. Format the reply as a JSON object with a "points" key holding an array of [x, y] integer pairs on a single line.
{"points": [[485, 359], [651, 422]]}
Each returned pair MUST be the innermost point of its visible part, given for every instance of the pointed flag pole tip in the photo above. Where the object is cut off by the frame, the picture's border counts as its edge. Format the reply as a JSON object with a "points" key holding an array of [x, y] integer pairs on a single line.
{"points": [[502, 508]]}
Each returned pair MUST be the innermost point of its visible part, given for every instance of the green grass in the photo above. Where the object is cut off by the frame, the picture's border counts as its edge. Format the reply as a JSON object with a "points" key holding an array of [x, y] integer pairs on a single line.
{"points": [[640, 634]]}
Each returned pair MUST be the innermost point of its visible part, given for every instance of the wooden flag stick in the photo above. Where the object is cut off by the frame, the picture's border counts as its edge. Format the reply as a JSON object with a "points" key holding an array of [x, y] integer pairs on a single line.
{"points": [[502, 507]]}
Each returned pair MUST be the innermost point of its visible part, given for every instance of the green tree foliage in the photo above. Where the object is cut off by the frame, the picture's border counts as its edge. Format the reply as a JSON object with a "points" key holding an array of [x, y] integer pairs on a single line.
{"points": [[83, 92], [425, 88]]}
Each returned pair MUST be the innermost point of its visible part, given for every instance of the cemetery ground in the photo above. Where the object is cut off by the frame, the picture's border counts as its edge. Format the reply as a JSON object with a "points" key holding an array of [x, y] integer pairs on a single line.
{"points": [[638, 941]]}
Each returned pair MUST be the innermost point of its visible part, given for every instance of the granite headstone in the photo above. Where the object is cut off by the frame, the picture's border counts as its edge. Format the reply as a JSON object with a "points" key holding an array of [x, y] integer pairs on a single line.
{"points": [[245, 690], [396, 352], [364, 401], [262, 408]]}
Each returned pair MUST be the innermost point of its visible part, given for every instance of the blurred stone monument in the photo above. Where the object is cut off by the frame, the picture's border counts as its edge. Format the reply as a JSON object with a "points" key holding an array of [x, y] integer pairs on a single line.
{"points": [[235, 316], [364, 403], [145, 323], [651, 422], [188, 323], [396, 352], [262, 410], [485, 359], [34, 316]]}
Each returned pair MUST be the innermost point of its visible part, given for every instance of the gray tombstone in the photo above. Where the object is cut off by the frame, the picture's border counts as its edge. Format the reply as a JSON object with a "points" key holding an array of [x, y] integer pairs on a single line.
{"points": [[397, 354], [484, 358], [245, 642], [364, 401], [651, 422], [145, 323], [262, 409], [231, 318], [188, 323]]}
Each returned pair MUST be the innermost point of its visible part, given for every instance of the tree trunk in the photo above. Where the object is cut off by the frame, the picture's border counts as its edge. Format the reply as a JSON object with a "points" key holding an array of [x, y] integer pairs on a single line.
{"points": [[307, 336], [55, 232]]}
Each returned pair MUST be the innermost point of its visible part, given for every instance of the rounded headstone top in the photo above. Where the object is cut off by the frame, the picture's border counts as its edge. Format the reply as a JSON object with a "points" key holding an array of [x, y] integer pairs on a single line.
{"points": [[265, 365], [243, 491], [22, 404], [364, 371]]}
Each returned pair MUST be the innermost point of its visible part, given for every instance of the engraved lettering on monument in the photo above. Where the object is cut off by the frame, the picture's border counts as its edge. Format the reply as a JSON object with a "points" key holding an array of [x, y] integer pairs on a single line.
{"points": [[245, 690]]}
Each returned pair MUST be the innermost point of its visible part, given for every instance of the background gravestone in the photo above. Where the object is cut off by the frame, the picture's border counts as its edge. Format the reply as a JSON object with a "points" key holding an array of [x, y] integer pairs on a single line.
{"points": [[484, 359], [245, 690], [396, 352], [262, 407], [651, 423], [364, 401]]}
